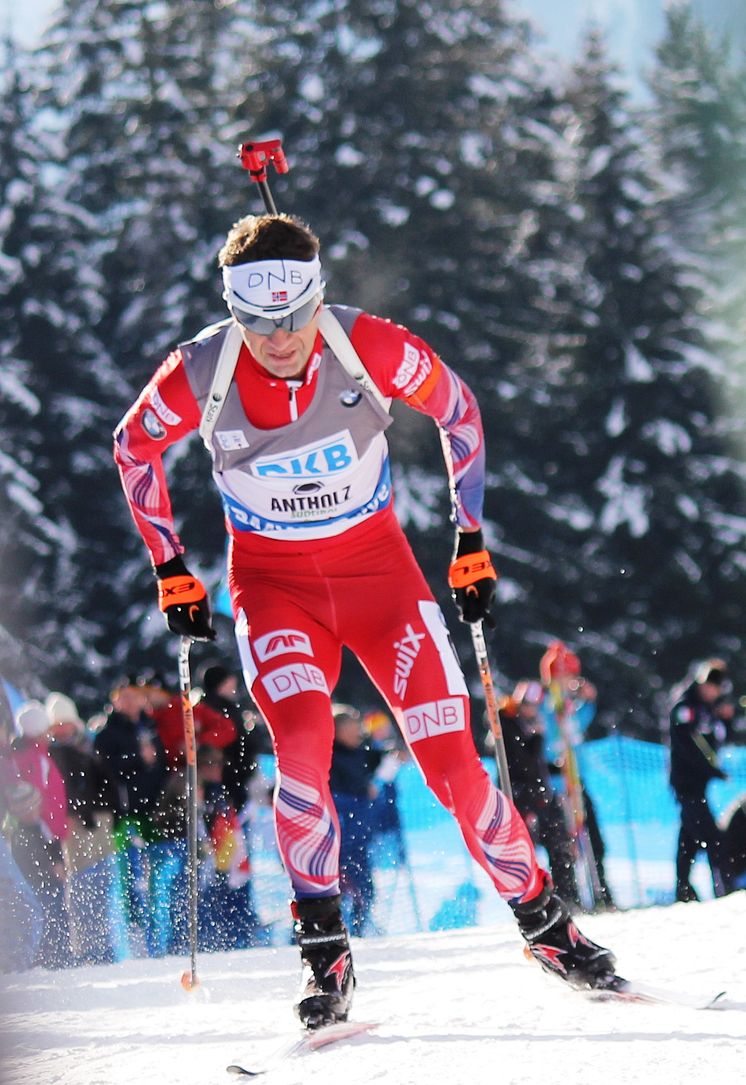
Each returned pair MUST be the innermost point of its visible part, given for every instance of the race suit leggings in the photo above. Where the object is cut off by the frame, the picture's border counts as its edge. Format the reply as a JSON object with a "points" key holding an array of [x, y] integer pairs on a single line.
{"points": [[295, 606]]}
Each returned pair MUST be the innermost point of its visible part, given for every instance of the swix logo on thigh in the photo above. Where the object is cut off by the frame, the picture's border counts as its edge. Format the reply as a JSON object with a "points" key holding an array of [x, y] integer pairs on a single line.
{"points": [[280, 642], [293, 679], [434, 718], [407, 650]]}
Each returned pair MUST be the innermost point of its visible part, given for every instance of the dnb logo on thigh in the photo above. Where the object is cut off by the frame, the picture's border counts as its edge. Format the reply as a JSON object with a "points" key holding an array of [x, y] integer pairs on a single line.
{"points": [[293, 679], [434, 718]]}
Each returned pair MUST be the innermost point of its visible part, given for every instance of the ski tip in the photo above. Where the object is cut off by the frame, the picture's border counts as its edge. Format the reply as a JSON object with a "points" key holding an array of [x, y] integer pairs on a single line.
{"points": [[308, 1041], [614, 986]]}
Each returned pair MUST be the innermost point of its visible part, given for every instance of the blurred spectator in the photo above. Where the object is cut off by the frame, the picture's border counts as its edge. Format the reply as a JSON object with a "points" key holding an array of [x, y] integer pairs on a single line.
{"points": [[533, 792], [88, 849], [696, 733], [389, 844], [567, 710], [738, 725], [21, 915], [164, 706], [383, 737], [38, 806], [227, 919], [226, 916], [730, 713], [135, 760], [168, 857], [354, 764], [216, 729], [220, 694], [132, 751]]}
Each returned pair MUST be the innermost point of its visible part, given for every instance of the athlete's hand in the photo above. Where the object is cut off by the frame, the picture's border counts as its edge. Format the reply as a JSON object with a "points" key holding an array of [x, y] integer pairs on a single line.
{"points": [[472, 578], [183, 600]]}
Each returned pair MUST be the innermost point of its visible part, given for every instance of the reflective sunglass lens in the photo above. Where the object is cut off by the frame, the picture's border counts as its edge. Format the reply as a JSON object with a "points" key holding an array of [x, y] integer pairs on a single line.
{"points": [[263, 325]]}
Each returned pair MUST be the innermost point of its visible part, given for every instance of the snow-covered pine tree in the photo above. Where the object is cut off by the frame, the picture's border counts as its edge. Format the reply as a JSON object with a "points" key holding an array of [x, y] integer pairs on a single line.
{"points": [[26, 532], [53, 375], [698, 124], [698, 120], [140, 98], [141, 95], [645, 491]]}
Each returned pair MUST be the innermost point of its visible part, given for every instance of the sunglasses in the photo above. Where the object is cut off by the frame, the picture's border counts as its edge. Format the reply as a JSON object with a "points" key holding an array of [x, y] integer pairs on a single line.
{"points": [[292, 322]]}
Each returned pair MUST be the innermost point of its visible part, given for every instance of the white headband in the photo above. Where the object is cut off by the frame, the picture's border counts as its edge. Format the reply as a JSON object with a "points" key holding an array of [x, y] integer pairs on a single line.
{"points": [[272, 287]]}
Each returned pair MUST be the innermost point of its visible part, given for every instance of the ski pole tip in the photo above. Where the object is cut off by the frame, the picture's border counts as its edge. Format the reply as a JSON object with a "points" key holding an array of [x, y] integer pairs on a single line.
{"points": [[190, 981]]}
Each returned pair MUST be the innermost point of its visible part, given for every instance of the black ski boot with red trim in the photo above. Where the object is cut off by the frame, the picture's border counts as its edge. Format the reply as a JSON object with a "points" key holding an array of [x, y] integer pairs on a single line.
{"points": [[556, 943], [328, 978]]}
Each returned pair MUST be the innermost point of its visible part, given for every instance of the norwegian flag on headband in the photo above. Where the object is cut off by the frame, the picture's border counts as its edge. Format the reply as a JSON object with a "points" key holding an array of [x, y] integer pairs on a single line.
{"points": [[279, 295]]}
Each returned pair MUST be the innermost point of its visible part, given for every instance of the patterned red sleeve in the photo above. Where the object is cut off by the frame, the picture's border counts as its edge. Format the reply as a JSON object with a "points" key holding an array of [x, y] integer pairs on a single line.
{"points": [[165, 411], [405, 367]]}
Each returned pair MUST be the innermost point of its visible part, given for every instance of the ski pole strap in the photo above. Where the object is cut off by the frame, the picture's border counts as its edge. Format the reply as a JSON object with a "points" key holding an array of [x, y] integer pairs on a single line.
{"points": [[470, 568], [175, 590]]}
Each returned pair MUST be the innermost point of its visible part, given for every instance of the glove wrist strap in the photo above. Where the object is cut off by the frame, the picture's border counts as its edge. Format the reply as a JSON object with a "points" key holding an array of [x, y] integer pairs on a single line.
{"points": [[470, 568], [178, 590]]}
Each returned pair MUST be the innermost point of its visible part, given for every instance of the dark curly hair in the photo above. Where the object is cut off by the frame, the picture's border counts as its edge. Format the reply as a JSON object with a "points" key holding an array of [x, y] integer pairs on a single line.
{"points": [[268, 237]]}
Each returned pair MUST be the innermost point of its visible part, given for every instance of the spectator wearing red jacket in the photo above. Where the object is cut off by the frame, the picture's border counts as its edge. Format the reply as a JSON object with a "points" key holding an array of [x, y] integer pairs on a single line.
{"points": [[212, 728], [220, 686]]}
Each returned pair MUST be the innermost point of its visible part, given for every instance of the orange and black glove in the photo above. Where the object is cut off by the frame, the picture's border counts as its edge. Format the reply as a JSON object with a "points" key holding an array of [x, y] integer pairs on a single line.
{"points": [[183, 600], [472, 578]]}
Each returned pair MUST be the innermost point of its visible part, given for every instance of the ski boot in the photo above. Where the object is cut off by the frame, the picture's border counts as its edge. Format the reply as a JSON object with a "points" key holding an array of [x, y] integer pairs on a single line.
{"points": [[328, 978], [556, 943]]}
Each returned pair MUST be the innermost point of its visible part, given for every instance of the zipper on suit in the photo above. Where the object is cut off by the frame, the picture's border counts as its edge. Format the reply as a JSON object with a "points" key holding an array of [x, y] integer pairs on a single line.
{"points": [[293, 387]]}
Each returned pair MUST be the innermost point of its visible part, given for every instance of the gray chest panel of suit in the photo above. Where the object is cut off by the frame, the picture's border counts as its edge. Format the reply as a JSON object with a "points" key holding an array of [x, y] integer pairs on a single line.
{"points": [[312, 477]]}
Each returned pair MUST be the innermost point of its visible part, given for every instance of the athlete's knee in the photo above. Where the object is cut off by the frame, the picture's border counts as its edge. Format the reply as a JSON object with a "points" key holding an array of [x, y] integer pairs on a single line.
{"points": [[464, 776], [299, 770]]}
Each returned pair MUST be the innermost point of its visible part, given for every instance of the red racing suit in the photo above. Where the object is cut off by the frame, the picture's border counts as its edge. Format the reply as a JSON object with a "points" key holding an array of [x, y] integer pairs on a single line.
{"points": [[318, 560]]}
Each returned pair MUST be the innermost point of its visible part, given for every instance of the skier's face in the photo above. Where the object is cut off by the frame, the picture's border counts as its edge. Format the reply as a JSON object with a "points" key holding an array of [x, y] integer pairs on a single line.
{"points": [[284, 354]]}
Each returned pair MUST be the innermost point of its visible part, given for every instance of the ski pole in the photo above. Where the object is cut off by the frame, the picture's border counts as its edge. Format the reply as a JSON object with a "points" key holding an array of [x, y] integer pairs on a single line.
{"points": [[493, 714], [189, 979], [483, 662], [256, 157]]}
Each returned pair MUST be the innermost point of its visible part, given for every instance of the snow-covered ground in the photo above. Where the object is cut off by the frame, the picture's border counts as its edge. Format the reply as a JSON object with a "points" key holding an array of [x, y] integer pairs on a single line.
{"points": [[458, 1006]]}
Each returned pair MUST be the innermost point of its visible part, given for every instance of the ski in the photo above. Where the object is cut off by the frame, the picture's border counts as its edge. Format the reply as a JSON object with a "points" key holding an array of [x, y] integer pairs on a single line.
{"points": [[301, 1045], [624, 990]]}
